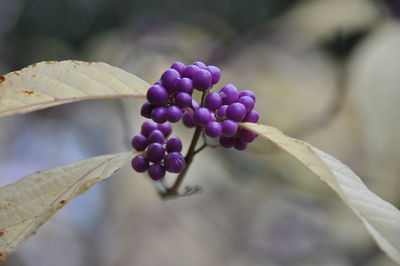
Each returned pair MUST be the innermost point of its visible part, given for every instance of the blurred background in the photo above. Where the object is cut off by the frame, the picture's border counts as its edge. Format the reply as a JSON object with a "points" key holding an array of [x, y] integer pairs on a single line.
{"points": [[324, 71]]}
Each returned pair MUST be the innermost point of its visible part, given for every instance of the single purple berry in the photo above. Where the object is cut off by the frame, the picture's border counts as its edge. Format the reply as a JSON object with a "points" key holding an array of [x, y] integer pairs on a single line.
{"points": [[169, 79], [156, 171], [148, 127], [139, 142], [252, 117], [156, 137], [213, 129], [202, 116], [174, 145], [184, 85], [189, 71], [140, 163], [159, 114], [188, 120], [157, 95], [221, 112], [248, 102], [174, 162], [174, 114], [165, 128], [248, 93], [202, 80], [226, 142], [155, 152], [246, 135], [239, 145], [146, 109], [183, 100], [213, 101], [215, 74], [229, 94], [195, 104], [229, 128], [179, 66], [236, 112], [200, 64]]}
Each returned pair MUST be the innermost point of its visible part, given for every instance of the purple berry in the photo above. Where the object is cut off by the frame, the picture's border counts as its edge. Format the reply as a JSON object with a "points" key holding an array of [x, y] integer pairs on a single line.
{"points": [[200, 65], [229, 94], [184, 85], [248, 93], [156, 137], [252, 117], [221, 112], [148, 127], [188, 120], [169, 79], [174, 145], [248, 102], [229, 128], [239, 145], [183, 100], [226, 142], [215, 74], [159, 114], [236, 112], [156, 171], [174, 114], [179, 66], [202, 80], [157, 95], [158, 82], [155, 152], [202, 116], [174, 162], [213, 129], [165, 128], [246, 135], [195, 104], [146, 109], [189, 71], [213, 101], [140, 163], [139, 142]]}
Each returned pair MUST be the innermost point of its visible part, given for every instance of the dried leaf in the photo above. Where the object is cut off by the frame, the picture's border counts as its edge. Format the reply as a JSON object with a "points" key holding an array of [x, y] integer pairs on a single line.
{"points": [[27, 204], [51, 83], [381, 218]]}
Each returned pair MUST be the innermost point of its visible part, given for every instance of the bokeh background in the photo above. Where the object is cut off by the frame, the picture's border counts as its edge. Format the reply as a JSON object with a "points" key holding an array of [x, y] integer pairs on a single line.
{"points": [[325, 71]]}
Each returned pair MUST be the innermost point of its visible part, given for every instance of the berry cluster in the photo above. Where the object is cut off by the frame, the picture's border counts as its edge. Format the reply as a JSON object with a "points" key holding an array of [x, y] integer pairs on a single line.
{"points": [[163, 154]]}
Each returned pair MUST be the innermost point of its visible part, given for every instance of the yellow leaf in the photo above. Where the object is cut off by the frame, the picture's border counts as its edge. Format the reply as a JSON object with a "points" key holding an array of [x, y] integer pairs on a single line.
{"points": [[51, 83], [27, 204], [381, 218]]}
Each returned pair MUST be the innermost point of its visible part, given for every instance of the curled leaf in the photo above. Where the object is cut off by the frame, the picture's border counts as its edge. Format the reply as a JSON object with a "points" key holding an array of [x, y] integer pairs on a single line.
{"points": [[381, 218], [52, 83], [29, 203]]}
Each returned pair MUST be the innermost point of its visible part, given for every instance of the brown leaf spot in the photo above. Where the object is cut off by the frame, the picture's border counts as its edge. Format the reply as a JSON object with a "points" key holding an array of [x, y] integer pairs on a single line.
{"points": [[16, 73], [1, 233], [62, 202], [34, 65], [2, 78], [28, 92]]}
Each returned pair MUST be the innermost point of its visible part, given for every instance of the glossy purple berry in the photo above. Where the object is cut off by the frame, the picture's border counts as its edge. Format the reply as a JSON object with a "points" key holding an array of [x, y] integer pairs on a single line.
{"points": [[239, 145], [236, 112], [200, 64], [221, 112], [252, 117], [215, 74], [246, 135], [188, 120], [202, 80], [179, 66], [146, 109], [184, 85], [189, 71], [229, 94], [157, 95], [248, 102], [213, 101], [183, 100], [140, 163], [226, 142], [174, 162], [169, 79], [174, 114], [174, 145], [202, 116], [148, 127], [248, 93], [229, 128], [155, 152], [139, 142], [165, 128], [159, 114], [156, 137], [156, 172], [213, 129]]}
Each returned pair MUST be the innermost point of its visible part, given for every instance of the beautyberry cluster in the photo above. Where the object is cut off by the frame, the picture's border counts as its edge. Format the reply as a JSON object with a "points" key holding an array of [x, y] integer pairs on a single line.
{"points": [[159, 154]]}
